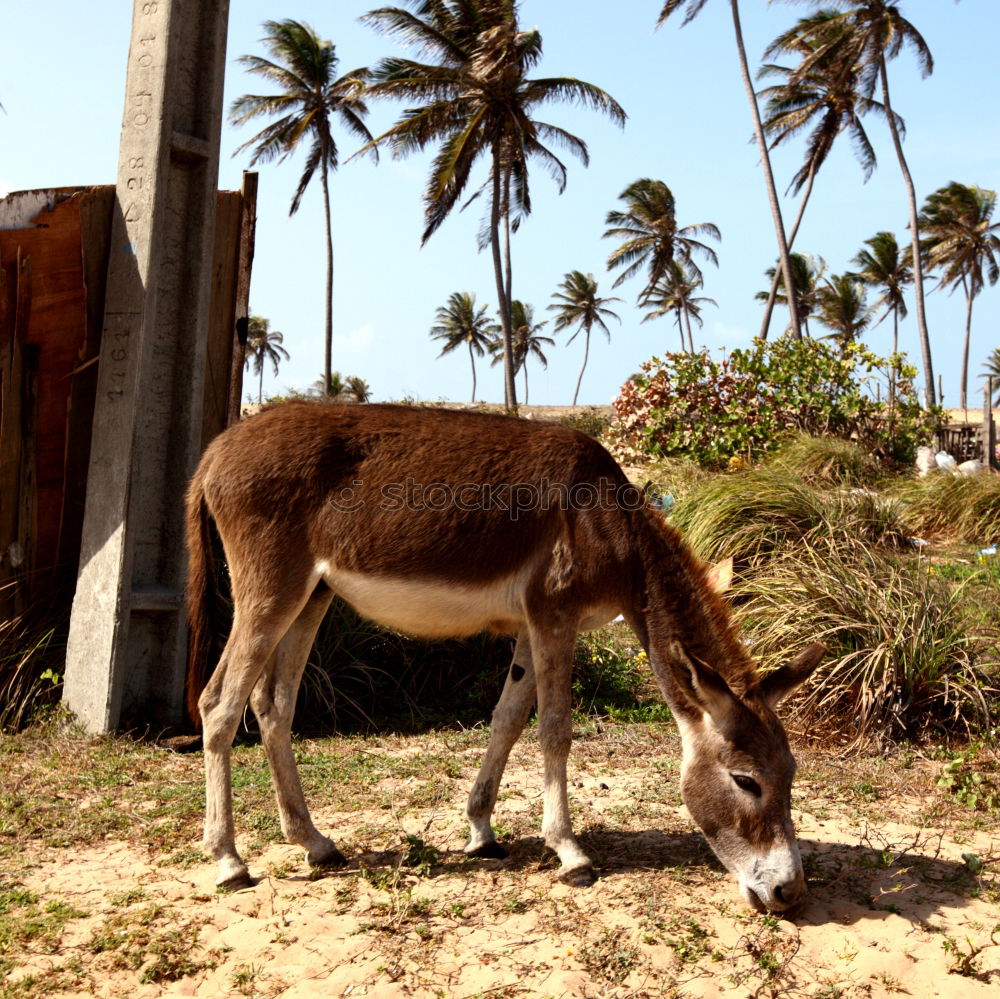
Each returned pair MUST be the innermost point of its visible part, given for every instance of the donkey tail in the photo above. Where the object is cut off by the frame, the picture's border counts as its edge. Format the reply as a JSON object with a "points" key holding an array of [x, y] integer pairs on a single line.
{"points": [[201, 597]]}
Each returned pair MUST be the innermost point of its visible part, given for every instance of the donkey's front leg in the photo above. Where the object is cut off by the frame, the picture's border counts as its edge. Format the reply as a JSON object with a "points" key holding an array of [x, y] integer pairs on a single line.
{"points": [[273, 703], [509, 718], [553, 657]]}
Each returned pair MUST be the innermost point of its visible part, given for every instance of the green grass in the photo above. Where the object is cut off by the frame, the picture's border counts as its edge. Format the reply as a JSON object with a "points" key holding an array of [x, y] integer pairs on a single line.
{"points": [[27, 921], [153, 941]]}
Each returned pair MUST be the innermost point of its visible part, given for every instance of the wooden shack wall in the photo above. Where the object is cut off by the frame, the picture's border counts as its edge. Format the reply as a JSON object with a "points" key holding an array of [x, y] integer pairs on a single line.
{"points": [[52, 278]]}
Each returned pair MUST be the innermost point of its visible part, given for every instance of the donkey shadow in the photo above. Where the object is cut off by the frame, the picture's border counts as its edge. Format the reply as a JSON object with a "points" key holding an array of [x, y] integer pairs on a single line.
{"points": [[848, 883]]}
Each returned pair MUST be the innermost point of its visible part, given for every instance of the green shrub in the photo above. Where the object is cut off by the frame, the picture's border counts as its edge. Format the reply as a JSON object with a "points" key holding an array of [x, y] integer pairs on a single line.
{"points": [[360, 676], [611, 676], [905, 660], [592, 422], [737, 409]]}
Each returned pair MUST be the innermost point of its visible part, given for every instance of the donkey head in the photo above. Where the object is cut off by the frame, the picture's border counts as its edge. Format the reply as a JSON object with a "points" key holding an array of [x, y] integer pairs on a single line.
{"points": [[736, 774]]}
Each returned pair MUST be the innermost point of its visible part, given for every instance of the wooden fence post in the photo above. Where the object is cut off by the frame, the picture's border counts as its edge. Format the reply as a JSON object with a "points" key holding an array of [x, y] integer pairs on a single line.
{"points": [[989, 428]]}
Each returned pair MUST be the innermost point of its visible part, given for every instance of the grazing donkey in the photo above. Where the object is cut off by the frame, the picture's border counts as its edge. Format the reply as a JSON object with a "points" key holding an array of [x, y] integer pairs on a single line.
{"points": [[441, 524]]}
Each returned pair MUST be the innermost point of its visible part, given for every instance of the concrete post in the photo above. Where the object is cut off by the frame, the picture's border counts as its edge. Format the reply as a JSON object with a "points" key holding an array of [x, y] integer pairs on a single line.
{"points": [[127, 642]]}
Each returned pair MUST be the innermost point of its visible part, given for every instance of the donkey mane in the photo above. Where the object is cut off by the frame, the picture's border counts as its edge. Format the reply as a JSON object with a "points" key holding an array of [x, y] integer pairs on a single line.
{"points": [[691, 598]]}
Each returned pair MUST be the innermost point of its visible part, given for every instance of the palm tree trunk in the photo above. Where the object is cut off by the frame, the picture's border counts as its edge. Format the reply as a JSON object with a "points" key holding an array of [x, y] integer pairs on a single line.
{"points": [[508, 269], [472, 361], [526, 381], [687, 323], [509, 388], [765, 161], [328, 342], [775, 281], [260, 385], [892, 366], [965, 346], [918, 269], [586, 354], [680, 329]]}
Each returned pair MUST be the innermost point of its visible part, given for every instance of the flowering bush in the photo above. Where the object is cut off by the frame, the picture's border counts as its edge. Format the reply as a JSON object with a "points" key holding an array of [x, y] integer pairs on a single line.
{"points": [[720, 412]]}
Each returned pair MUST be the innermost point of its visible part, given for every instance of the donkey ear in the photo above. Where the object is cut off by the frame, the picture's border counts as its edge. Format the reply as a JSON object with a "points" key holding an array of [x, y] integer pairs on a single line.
{"points": [[720, 575], [776, 686], [699, 685]]}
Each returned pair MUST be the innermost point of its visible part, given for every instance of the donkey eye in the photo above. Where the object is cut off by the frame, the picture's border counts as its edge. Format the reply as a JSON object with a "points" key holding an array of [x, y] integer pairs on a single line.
{"points": [[747, 783]]}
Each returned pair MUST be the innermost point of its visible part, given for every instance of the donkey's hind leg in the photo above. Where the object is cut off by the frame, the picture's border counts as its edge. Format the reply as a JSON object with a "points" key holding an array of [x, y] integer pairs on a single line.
{"points": [[250, 647], [273, 703], [509, 718]]}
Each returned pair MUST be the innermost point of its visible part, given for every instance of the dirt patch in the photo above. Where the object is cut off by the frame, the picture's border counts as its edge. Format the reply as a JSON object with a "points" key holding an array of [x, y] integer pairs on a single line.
{"points": [[904, 885]]}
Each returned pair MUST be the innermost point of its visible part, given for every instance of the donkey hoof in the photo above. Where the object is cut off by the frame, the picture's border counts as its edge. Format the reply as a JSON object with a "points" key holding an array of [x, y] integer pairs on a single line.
{"points": [[329, 859], [491, 850], [236, 882], [579, 877]]}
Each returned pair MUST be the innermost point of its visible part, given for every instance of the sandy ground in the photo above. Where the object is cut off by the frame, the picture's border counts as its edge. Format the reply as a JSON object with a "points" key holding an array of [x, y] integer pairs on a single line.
{"points": [[893, 907]]}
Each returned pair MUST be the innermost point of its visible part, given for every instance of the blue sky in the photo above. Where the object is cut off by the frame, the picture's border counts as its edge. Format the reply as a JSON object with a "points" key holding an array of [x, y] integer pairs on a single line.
{"points": [[62, 73]]}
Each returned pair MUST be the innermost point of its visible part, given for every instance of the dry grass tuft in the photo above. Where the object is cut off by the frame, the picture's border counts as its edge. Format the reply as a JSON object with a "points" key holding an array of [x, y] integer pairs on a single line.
{"points": [[754, 515], [905, 658], [953, 506], [828, 461]]}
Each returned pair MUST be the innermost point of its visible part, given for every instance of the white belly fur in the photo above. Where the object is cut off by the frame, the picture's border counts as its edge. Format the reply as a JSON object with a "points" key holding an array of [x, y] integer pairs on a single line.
{"points": [[429, 608], [432, 609]]}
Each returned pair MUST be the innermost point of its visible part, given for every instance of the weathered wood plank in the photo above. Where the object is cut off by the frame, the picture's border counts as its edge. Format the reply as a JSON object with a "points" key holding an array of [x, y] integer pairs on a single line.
{"points": [[248, 236], [96, 206], [222, 315], [10, 436]]}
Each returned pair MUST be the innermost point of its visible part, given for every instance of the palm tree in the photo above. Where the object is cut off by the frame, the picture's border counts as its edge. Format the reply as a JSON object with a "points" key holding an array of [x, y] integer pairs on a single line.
{"points": [[885, 267], [650, 236], [476, 100], [263, 344], [825, 97], [991, 369], [807, 272], [577, 303], [460, 323], [841, 307], [963, 242], [869, 33], [528, 341], [341, 389], [693, 9], [674, 292], [332, 388], [357, 390], [311, 95]]}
